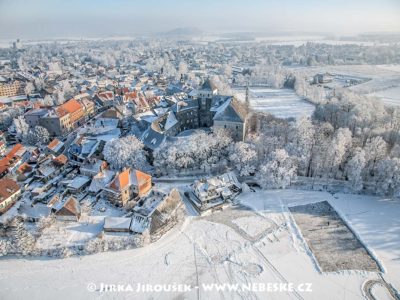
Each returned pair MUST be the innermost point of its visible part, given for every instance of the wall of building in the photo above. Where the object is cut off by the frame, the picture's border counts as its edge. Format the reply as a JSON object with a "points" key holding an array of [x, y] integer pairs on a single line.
{"points": [[237, 128]]}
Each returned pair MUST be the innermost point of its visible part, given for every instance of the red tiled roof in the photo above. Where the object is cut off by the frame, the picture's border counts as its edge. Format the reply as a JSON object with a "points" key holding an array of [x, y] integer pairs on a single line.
{"points": [[8, 187], [71, 106], [61, 159], [53, 144]]}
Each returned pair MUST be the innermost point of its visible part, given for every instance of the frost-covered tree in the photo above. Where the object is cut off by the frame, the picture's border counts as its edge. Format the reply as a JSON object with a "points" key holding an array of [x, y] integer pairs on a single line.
{"points": [[354, 169], [243, 156], [39, 135], [340, 145], [59, 98], [304, 143], [6, 118], [182, 69], [48, 100], [387, 177], [29, 88], [198, 151], [278, 171], [39, 84], [125, 152], [375, 150], [21, 128]]}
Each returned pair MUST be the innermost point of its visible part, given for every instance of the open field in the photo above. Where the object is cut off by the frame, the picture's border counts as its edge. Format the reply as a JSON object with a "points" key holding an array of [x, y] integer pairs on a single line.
{"points": [[255, 242], [333, 244], [282, 103], [384, 80]]}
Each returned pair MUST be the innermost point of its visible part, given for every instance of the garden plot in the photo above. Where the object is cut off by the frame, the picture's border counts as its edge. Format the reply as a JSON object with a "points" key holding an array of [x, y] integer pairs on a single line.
{"points": [[333, 244]]}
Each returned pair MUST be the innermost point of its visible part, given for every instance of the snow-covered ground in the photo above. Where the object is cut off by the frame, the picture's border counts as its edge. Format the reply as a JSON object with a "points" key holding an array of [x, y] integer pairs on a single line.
{"points": [[384, 80], [217, 249], [282, 103]]}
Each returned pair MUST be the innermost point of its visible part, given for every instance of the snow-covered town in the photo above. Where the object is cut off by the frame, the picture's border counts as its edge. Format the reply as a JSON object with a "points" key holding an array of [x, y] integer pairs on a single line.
{"points": [[198, 164]]}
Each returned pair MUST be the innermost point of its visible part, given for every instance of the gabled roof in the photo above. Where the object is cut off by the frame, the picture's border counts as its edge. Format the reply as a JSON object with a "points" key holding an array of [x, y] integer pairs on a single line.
{"points": [[5, 161], [24, 168], [60, 160], [53, 144], [127, 178], [230, 111], [71, 207], [8, 187], [71, 106]]}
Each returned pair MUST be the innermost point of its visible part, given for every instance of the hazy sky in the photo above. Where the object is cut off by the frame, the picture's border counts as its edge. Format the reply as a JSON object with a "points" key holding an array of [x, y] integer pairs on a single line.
{"points": [[93, 18]]}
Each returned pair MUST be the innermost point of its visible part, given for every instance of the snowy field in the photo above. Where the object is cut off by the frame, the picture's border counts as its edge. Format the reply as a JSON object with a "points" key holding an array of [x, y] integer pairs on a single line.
{"points": [[226, 247], [282, 103], [384, 83]]}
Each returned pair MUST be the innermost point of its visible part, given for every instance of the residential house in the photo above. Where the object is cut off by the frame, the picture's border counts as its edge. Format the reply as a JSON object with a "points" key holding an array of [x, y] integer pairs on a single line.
{"points": [[100, 181], [57, 122], [13, 159], [214, 191], [51, 167], [69, 211], [156, 213], [24, 171], [128, 185], [9, 194], [55, 147], [75, 111]]}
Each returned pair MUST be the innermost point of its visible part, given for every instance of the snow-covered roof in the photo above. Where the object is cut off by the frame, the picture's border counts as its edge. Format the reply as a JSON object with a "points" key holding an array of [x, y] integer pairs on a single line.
{"points": [[78, 182], [117, 223], [230, 111], [171, 121], [101, 180]]}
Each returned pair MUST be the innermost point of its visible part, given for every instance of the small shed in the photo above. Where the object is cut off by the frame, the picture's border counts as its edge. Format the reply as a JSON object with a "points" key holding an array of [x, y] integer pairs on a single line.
{"points": [[116, 224]]}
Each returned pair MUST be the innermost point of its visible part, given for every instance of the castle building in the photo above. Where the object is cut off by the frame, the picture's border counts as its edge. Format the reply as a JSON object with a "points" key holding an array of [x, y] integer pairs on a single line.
{"points": [[207, 109]]}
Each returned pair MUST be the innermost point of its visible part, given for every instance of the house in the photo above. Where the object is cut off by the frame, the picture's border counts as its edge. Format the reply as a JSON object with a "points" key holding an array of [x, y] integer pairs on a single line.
{"points": [[214, 191], [78, 184], [156, 213], [57, 122], [9, 194], [75, 110], [55, 147], [69, 211], [105, 99], [33, 116], [88, 107], [34, 213], [24, 171], [13, 159], [51, 167], [100, 181], [322, 78], [93, 167], [127, 185]]}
